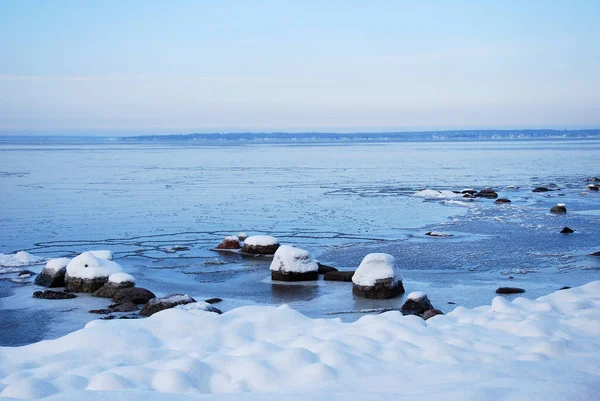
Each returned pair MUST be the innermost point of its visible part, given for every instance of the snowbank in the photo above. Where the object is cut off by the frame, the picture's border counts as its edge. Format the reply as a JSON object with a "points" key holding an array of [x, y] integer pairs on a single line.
{"points": [[54, 265], [88, 266], [433, 194], [289, 259], [19, 259], [376, 266], [261, 240], [546, 349]]}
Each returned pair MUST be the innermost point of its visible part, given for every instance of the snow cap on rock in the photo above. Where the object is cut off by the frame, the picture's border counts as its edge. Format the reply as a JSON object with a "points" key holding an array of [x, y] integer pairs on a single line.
{"points": [[121, 277], [289, 259], [88, 266], [376, 266], [54, 265], [416, 295], [261, 240]]}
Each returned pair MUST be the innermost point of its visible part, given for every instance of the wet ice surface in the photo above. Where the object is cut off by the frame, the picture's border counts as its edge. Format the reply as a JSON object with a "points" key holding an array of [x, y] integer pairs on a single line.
{"points": [[340, 202]]}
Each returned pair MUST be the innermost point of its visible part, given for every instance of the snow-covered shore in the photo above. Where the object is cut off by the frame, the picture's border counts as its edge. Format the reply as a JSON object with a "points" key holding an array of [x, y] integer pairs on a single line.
{"points": [[547, 348]]}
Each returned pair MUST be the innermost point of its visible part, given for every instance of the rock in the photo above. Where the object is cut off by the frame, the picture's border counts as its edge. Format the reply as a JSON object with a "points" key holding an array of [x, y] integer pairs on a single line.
{"points": [[566, 287], [468, 191], [293, 264], [53, 274], [377, 277], [567, 230], [339, 276], [168, 302], [438, 234], [26, 273], [592, 179], [121, 279], [50, 294], [502, 200], [540, 189], [431, 313], [106, 291], [230, 242], [88, 273], [214, 310], [595, 254], [323, 269], [513, 187], [108, 317], [593, 187], [486, 193], [84, 284], [559, 209], [180, 248], [242, 236], [124, 307], [509, 290], [100, 311], [134, 295], [260, 245], [416, 304], [213, 300]]}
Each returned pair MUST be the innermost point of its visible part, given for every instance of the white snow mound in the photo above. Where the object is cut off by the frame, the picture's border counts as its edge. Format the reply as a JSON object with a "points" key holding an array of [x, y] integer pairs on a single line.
{"points": [[103, 254], [544, 349], [289, 259], [376, 266], [416, 295], [434, 194], [19, 259], [119, 278], [54, 265], [88, 266], [261, 240]]}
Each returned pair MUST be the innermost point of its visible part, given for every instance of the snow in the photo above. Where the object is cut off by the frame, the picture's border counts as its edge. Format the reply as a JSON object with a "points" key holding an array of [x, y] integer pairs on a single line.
{"points": [[103, 254], [232, 238], [88, 266], [289, 259], [19, 259], [54, 265], [416, 295], [118, 278], [547, 348], [376, 266], [561, 205], [434, 194], [261, 240]]}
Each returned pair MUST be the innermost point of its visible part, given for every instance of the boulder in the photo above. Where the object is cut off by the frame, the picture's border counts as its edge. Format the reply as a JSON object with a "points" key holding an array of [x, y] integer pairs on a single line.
{"points": [[293, 264], [567, 230], [339, 276], [595, 254], [502, 200], [168, 302], [260, 245], [560, 208], [416, 304], [53, 274], [566, 287], [230, 242], [124, 307], [50, 294], [88, 273], [26, 273], [431, 313], [116, 282], [323, 269], [377, 277], [468, 191], [242, 236], [540, 189], [213, 300], [134, 295], [438, 234], [593, 187], [509, 290], [486, 193]]}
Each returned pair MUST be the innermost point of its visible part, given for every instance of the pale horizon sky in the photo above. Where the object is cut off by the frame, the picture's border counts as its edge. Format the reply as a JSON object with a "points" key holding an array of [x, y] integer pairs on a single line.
{"points": [[161, 67]]}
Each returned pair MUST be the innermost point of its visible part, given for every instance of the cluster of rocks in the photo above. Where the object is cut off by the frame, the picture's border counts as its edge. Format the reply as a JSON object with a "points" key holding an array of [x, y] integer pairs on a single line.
{"points": [[255, 245]]}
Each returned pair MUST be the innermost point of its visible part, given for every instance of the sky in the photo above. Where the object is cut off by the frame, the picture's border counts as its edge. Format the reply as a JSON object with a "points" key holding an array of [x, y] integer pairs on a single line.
{"points": [[160, 67]]}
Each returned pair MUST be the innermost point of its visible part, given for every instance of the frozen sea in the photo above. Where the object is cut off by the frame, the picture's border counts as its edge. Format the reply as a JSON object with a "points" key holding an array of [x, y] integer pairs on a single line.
{"points": [[340, 201]]}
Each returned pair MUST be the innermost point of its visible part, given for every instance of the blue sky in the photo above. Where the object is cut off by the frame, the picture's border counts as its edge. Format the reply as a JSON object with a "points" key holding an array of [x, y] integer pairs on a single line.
{"points": [[230, 66]]}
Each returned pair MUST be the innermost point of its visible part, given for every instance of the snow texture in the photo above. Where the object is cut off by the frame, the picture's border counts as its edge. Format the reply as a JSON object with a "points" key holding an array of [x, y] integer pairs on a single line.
{"points": [[54, 265], [289, 259], [376, 266], [561, 205], [434, 194], [19, 259], [232, 238], [88, 266], [416, 295], [103, 254], [118, 278], [261, 240], [544, 349]]}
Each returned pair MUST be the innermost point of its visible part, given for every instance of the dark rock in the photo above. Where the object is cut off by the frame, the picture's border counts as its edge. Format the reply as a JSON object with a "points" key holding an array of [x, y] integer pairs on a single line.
{"points": [[416, 306], [502, 200], [229, 243], [125, 307], [84, 284], [468, 191], [567, 230], [101, 311], [431, 313], [451, 303], [382, 289], [49, 294], [559, 209], [214, 310], [592, 179], [109, 290], [323, 269], [566, 287], [260, 249], [593, 187], [509, 290], [468, 196], [438, 234], [486, 193], [338, 276], [26, 273], [168, 302], [134, 295], [292, 276], [51, 279], [108, 317], [180, 248], [595, 254], [540, 189], [213, 300]]}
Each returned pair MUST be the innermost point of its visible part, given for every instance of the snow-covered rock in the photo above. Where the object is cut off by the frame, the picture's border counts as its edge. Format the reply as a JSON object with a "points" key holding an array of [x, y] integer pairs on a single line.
{"points": [[293, 264], [103, 254], [230, 242], [159, 304], [416, 303], [261, 245], [377, 276], [121, 279], [53, 274], [242, 236], [87, 273], [559, 208]]}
